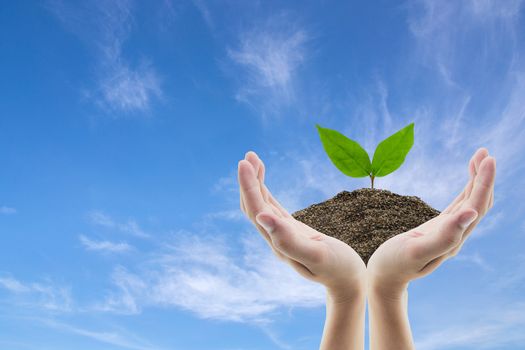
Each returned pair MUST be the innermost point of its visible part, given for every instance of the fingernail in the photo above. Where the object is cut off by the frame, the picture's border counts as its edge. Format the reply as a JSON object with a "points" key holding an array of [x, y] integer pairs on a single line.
{"points": [[466, 219], [266, 222]]}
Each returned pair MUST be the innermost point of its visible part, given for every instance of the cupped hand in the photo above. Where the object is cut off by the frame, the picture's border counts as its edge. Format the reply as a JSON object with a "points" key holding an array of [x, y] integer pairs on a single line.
{"points": [[420, 251], [314, 255]]}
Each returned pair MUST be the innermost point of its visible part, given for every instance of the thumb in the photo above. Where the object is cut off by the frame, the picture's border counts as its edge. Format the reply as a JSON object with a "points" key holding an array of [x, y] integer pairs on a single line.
{"points": [[288, 240], [447, 236]]}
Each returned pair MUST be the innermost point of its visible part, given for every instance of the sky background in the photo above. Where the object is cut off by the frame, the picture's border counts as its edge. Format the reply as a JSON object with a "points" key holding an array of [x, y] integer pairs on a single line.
{"points": [[122, 122]]}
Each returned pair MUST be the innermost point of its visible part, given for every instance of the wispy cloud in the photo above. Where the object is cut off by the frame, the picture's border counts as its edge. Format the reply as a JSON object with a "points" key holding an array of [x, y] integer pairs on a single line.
{"points": [[104, 246], [475, 259], [440, 28], [495, 329], [130, 226], [492, 222], [129, 297], [13, 285], [112, 337], [46, 296], [105, 27], [512, 278], [201, 275], [205, 12], [7, 210], [226, 183], [462, 117], [128, 90], [269, 56], [229, 215], [449, 126]]}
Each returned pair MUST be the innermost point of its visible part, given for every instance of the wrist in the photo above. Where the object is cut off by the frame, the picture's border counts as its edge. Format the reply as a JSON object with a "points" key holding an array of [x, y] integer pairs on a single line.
{"points": [[388, 291], [345, 295]]}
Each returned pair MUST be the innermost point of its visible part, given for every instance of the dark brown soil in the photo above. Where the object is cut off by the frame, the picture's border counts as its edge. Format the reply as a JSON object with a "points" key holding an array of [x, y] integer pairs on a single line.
{"points": [[365, 218]]}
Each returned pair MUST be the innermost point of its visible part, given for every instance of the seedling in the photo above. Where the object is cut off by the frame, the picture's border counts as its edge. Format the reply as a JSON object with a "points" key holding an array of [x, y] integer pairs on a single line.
{"points": [[349, 157]]}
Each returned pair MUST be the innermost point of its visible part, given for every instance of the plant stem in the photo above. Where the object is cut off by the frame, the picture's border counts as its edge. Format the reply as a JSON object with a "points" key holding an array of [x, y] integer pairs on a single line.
{"points": [[372, 181]]}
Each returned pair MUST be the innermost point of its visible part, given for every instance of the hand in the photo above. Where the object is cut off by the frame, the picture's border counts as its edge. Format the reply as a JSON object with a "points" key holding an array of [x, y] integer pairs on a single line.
{"points": [[314, 255], [420, 251]]}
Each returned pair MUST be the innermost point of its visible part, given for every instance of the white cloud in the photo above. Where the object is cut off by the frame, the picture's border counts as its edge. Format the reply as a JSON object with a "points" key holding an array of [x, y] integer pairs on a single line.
{"points": [[449, 126], [226, 183], [492, 221], [131, 226], [228, 215], [463, 118], [116, 338], [512, 279], [270, 55], [436, 169], [105, 27], [127, 299], [205, 12], [440, 28], [475, 259], [201, 275], [7, 210], [495, 329], [494, 8], [46, 296], [129, 90], [13, 285], [104, 246]]}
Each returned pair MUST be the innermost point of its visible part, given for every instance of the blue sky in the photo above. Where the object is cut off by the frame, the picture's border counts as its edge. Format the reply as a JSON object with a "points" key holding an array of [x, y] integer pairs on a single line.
{"points": [[121, 125]]}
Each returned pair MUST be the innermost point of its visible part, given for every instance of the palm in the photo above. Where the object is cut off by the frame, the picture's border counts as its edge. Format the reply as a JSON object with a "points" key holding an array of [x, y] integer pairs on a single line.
{"points": [[314, 255], [421, 250]]}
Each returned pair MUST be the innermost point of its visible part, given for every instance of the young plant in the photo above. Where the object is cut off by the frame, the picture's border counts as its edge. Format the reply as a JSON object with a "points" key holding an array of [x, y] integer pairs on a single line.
{"points": [[349, 157]]}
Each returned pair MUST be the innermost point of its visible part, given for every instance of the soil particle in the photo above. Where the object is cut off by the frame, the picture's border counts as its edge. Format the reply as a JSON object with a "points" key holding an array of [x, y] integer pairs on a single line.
{"points": [[365, 218]]}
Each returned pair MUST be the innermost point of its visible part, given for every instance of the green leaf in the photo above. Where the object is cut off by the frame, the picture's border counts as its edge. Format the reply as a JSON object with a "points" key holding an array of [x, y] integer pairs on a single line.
{"points": [[391, 152], [346, 154]]}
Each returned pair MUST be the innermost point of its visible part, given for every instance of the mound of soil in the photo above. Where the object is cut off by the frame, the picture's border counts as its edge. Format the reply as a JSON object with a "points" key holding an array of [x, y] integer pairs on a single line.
{"points": [[365, 218]]}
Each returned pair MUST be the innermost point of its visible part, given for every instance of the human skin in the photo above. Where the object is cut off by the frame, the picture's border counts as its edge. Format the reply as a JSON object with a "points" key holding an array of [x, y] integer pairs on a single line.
{"points": [[401, 259], [314, 255], [418, 252]]}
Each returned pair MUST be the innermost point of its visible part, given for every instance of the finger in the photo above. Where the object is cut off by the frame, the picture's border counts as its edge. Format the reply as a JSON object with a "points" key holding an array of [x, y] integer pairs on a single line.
{"points": [[254, 157], [481, 154], [262, 171], [267, 195], [250, 189], [473, 165], [427, 247], [254, 164], [251, 197], [479, 199], [241, 200], [289, 242], [257, 163], [276, 204], [254, 161], [485, 207]]}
